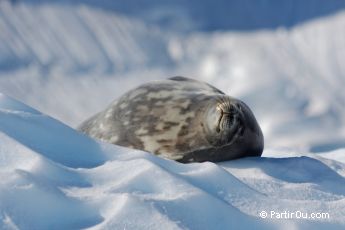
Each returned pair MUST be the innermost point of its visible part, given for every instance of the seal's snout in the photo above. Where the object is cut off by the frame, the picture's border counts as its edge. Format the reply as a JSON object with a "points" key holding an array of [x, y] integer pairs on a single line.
{"points": [[236, 127], [231, 122], [231, 117]]}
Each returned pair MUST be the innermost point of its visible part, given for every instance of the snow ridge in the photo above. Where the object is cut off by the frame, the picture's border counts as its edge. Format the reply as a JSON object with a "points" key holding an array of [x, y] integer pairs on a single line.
{"points": [[55, 177]]}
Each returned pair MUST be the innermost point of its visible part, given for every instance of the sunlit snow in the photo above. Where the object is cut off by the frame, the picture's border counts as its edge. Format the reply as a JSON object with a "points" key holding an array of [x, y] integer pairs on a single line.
{"points": [[68, 61]]}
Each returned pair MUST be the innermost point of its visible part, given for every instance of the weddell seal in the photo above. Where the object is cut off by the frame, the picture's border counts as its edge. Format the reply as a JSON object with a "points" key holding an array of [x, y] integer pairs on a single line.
{"points": [[180, 119]]}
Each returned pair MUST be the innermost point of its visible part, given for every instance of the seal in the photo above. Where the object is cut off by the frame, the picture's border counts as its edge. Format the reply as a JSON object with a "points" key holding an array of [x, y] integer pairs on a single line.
{"points": [[181, 119]]}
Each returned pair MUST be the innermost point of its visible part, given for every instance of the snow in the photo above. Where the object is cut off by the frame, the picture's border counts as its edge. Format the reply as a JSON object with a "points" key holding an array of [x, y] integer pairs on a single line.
{"points": [[68, 60], [83, 183]]}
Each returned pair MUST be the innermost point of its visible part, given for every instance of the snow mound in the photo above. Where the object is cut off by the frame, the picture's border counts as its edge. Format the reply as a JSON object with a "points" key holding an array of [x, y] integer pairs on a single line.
{"points": [[54, 176]]}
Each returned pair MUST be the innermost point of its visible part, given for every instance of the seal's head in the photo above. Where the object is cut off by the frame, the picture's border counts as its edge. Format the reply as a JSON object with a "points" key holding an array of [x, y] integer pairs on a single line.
{"points": [[231, 128]]}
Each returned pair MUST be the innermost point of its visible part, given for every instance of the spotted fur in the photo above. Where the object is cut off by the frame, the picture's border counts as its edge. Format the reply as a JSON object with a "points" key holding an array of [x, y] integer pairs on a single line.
{"points": [[177, 118]]}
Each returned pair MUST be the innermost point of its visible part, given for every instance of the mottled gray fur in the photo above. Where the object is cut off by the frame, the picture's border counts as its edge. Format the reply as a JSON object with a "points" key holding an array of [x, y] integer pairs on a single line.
{"points": [[180, 119]]}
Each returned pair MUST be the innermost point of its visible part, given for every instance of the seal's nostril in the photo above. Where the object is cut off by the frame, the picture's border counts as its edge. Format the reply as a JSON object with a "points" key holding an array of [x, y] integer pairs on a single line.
{"points": [[239, 107], [232, 108], [242, 132]]}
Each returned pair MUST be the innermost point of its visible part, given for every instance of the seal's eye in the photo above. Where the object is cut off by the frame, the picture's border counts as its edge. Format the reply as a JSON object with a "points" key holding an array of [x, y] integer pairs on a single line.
{"points": [[219, 120], [214, 117]]}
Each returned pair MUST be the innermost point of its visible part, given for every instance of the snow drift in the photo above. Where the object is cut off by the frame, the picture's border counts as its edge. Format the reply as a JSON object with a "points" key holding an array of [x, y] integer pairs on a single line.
{"points": [[54, 177]]}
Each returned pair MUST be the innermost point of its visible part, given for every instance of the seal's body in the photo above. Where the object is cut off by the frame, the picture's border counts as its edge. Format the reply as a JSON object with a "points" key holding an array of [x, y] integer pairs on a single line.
{"points": [[180, 119]]}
